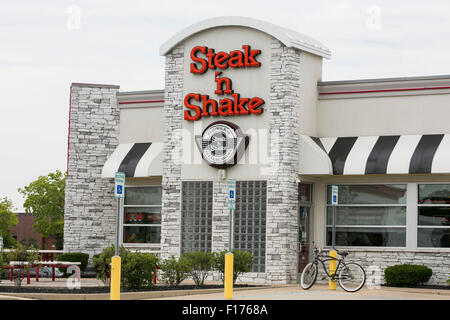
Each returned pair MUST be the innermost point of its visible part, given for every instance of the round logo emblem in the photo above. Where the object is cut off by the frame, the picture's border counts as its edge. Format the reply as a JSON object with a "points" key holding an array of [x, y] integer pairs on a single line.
{"points": [[222, 144]]}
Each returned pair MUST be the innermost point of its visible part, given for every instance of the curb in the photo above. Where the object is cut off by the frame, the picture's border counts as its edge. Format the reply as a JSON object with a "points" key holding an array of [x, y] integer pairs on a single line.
{"points": [[126, 295], [441, 292]]}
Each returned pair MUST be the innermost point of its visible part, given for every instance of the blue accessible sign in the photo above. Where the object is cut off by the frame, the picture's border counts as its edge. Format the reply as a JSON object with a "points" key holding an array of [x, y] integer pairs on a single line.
{"points": [[231, 194], [119, 185]]}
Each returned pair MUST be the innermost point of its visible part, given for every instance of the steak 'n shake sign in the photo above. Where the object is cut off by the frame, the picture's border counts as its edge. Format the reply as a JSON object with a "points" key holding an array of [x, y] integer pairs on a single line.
{"points": [[200, 105]]}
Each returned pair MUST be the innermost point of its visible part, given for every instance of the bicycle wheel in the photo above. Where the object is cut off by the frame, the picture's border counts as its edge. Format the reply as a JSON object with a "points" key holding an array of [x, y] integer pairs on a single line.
{"points": [[309, 276], [352, 277]]}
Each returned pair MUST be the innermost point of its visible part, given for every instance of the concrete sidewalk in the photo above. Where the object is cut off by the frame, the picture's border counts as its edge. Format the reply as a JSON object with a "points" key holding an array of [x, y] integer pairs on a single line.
{"points": [[321, 292], [263, 292]]}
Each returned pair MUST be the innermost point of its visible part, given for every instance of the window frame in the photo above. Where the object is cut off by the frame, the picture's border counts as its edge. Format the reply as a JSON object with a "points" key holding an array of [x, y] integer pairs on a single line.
{"points": [[123, 225], [406, 204], [418, 226]]}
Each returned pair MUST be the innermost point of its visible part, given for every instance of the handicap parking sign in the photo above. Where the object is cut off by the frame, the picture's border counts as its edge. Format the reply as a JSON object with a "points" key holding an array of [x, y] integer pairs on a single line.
{"points": [[119, 182]]}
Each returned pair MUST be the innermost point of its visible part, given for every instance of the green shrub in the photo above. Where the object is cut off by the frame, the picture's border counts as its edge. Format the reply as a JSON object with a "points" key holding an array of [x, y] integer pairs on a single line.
{"points": [[19, 253], [406, 275], [174, 271], [138, 270], [74, 257], [200, 264], [102, 261], [242, 262]]}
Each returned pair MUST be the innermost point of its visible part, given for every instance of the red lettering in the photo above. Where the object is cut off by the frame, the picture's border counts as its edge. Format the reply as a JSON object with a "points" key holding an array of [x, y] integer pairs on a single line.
{"points": [[220, 58], [249, 57], [236, 59], [187, 113], [226, 107], [254, 104], [239, 104], [210, 56], [220, 82], [194, 58], [212, 103], [223, 60]]}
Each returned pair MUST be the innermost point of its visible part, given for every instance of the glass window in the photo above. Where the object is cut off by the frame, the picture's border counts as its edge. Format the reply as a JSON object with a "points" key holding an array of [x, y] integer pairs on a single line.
{"points": [[250, 221], [196, 216], [370, 194], [304, 193], [366, 237], [434, 193], [434, 238], [142, 215], [143, 196], [368, 215], [433, 216]]}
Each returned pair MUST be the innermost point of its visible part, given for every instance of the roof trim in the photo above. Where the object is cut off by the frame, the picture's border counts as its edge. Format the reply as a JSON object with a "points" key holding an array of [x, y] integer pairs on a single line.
{"points": [[376, 80], [288, 37], [94, 85]]}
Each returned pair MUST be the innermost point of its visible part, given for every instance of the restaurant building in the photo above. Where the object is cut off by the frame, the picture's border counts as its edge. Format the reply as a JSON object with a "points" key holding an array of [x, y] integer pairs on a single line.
{"points": [[245, 100]]}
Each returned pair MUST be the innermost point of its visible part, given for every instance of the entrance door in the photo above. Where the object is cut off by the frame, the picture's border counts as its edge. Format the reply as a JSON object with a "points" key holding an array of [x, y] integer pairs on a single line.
{"points": [[304, 224], [304, 235]]}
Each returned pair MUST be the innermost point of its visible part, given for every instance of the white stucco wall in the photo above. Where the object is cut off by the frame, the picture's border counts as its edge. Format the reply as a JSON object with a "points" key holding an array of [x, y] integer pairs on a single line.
{"points": [[311, 73], [413, 114], [141, 124]]}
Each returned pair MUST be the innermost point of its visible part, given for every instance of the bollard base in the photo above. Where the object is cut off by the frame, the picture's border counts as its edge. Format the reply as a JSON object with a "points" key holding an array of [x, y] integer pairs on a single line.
{"points": [[228, 281], [115, 278], [331, 283]]}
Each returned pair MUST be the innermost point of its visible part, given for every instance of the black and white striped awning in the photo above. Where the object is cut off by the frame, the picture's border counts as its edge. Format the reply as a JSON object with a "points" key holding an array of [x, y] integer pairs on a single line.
{"points": [[399, 154], [135, 160]]}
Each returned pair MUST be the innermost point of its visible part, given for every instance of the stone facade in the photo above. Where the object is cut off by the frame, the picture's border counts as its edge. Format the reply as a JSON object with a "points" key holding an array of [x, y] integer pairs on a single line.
{"points": [[375, 262], [282, 190], [171, 181], [90, 209]]}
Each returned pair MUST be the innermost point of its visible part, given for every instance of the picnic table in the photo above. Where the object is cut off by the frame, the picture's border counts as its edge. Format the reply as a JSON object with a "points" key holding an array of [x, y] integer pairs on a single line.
{"points": [[36, 264], [46, 258], [44, 255]]}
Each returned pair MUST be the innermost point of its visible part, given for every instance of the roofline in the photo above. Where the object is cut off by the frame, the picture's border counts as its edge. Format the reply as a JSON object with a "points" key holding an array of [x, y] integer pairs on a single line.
{"points": [[288, 37], [397, 79], [94, 85], [143, 92]]}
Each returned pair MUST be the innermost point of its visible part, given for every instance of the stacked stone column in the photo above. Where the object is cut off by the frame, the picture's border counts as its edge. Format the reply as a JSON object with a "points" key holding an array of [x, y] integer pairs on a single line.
{"points": [[171, 181], [282, 206], [90, 209]]}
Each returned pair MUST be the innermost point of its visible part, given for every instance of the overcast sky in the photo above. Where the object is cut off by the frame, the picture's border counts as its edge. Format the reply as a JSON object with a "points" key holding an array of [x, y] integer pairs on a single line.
{"points": [[46, 45]]}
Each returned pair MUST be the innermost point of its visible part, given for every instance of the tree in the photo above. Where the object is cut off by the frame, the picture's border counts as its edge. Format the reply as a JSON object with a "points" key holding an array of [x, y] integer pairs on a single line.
{"points": [[44, 198], [8, 219]]}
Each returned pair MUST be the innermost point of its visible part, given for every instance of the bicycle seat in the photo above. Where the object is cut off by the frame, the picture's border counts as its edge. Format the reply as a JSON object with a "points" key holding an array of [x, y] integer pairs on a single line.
{"points": [[343, 253]]}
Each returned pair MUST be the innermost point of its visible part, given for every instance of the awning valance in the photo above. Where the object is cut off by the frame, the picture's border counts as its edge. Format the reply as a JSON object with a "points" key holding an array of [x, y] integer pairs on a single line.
{"points": [[135, 160], [396, 154], [313, 157]]}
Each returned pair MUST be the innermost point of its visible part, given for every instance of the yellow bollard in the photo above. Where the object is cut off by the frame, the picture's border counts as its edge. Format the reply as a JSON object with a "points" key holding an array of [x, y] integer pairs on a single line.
{"points": [[228, 283], [115, 278], [331, 283]]}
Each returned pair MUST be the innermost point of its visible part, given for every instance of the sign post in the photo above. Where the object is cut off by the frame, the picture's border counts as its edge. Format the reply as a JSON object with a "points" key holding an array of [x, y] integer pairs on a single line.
{"points": [[334, 203], [333, 252], [119, 193], [228, 283]]}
